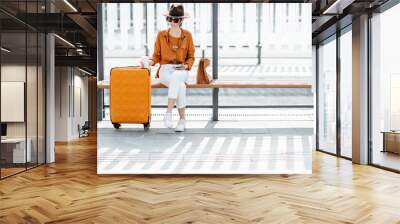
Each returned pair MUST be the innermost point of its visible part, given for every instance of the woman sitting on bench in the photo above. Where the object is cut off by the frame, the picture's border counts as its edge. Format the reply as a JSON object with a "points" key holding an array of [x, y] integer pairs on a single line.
{"points": [[174, 51]]}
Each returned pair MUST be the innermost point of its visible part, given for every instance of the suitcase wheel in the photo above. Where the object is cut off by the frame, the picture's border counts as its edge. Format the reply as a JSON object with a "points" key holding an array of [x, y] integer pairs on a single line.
{"points": [[116, 125], [146, 126]]}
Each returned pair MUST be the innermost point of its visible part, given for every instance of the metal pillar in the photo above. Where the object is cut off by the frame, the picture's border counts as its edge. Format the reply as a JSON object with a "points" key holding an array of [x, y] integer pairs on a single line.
{"points": [[360, 72], [215, 91], [316, 97], [259, 33], [100, 62], [338, 91], [145, 28], [50, 91]]}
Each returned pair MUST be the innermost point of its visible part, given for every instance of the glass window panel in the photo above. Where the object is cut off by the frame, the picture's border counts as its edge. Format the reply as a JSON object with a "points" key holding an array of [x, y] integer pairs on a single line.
{"points": [[127, 47], [32, 93], [32, 98], [13, 75], [266, 42], [138, 33], [346, 93], [327, 96], [22, 63], [41, 99], [385, 89]]}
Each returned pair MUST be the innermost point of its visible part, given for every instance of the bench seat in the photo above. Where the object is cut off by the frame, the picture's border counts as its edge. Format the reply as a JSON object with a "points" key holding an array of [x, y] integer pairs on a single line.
{"points": [[228, 84]]}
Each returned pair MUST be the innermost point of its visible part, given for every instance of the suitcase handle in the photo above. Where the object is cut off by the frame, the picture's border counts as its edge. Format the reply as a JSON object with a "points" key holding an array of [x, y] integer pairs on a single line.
{"points": [[131, 66]]}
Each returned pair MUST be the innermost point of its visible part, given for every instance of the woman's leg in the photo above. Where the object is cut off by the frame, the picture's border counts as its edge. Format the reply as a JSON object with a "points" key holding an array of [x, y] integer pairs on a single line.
{"points": [[177, 88], [171, 103], [175, 80], [166, 72], [181, 98], [181, 104], [181, 112]]}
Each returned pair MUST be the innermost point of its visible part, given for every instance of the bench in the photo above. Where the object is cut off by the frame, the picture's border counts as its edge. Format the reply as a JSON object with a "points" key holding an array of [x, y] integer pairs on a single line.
{"points": [[229, 84]]}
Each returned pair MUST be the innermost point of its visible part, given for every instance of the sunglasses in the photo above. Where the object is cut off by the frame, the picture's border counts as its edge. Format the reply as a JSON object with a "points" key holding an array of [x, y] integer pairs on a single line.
{"points": [[172, 20]]}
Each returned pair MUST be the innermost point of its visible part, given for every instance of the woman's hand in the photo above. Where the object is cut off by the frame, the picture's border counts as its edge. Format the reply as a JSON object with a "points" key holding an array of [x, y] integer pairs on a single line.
{"points": [[142, 63]]}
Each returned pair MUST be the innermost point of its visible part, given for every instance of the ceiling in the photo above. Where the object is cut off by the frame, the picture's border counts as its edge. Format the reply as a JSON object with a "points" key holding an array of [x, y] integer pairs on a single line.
{"points": [[76, 22]]}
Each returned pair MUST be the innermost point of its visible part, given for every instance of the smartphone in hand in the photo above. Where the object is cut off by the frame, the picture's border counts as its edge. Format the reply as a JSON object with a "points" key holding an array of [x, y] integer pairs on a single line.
{"points": [[180, 67]]}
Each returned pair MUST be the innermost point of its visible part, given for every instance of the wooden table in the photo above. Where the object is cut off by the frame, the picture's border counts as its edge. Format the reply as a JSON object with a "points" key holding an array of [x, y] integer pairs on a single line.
{"points": [[13, 150], [391, 141]]}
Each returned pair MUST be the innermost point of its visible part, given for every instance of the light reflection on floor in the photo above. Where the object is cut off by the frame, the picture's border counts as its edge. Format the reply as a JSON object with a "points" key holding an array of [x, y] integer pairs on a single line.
{"points": [[224, 147]]}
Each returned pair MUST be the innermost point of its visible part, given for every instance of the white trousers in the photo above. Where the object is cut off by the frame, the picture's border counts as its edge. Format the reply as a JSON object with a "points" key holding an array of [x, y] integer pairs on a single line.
{"points": [[175, 81]]}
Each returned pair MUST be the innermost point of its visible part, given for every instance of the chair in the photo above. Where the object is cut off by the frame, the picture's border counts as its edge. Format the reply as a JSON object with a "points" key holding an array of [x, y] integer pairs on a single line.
{"points": [[84, 130]]}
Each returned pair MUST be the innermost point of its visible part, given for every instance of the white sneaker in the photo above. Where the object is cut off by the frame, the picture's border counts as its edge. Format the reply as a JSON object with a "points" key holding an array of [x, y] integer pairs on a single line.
{"points": [[180, 127], [168, 120]]}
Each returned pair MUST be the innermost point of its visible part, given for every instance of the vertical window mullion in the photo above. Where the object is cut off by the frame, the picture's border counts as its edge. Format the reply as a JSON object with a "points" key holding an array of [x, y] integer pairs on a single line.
{"points": [[26, 86], [317, 97], [37, 90], [215, 91], [0, 92], [338, 80]]}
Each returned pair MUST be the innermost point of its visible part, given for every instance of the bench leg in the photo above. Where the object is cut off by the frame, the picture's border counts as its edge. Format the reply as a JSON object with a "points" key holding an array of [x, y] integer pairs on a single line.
{"points": [[215, 104]]}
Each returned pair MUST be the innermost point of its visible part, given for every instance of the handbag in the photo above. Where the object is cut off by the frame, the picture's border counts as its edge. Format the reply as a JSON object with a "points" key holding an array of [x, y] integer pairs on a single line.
{"points": [[202, 76]]}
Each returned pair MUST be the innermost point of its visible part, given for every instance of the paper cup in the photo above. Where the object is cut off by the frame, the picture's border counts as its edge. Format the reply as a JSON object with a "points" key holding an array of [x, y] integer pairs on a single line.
{"points": [[145, 62]]}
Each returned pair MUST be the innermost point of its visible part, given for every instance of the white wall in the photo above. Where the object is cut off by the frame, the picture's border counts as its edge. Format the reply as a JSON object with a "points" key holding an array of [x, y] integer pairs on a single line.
{"points": [[70, 84], [15, 72], [33, 126], [61, 103], [79, 117]]}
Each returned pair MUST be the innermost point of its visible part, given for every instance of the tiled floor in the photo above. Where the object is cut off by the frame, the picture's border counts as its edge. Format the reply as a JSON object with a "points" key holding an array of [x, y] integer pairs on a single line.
{"points": [[224, 147]]}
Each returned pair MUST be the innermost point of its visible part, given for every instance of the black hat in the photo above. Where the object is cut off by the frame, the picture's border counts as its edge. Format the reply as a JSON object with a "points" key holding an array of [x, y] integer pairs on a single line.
{"points": [[176, 12]]}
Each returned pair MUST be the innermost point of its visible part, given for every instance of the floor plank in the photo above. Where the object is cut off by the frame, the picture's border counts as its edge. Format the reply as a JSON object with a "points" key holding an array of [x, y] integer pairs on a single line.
{"points": [[70, 191]]}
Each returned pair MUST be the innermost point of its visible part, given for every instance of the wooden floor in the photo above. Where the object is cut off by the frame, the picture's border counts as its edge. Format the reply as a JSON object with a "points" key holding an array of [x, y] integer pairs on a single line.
{"points": [[70, 191], [10, 171]]}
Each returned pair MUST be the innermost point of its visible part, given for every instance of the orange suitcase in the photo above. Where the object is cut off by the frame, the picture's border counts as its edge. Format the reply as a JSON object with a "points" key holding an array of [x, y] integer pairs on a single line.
{"points": [[130, 96]]}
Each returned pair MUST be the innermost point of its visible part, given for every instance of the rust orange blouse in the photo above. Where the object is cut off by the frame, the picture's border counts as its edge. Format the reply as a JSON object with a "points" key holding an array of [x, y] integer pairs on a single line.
{"points": [[165, 51]]}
